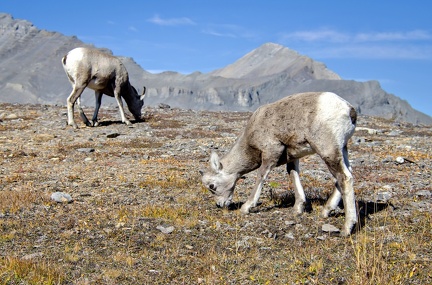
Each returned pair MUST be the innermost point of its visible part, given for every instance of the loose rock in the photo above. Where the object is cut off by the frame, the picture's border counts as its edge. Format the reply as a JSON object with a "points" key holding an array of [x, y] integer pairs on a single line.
{"points": [[400, 160], [86, 149], [383, 196], [61, 197], [32, 255], [165, 230], [425, 193], [329, 228]]}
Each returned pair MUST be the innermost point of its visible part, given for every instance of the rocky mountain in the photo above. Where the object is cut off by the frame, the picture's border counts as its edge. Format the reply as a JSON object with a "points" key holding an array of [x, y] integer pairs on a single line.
{"points": [[31, 72]]}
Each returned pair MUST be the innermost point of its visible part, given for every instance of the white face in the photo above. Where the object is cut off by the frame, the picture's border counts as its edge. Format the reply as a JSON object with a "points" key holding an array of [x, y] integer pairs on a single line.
{"points": [[222, 189], [220, 184]]}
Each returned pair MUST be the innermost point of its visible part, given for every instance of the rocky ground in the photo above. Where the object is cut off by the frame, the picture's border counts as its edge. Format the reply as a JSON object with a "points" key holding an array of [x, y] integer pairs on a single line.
{"points": [[139, 214]]}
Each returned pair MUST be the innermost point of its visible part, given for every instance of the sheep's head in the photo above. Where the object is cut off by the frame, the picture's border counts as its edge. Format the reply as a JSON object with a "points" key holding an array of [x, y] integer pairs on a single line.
{"points": [[136, 103], [218, 182]]}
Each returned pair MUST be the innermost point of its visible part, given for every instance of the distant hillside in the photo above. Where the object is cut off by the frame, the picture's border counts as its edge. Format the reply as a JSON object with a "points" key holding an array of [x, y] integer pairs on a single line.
{"points": [[31, 72]]}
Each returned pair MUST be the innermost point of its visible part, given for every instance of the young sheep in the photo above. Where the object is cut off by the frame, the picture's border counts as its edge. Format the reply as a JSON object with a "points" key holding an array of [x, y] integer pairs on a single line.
{"points": [[103, 73], [281, 133]]}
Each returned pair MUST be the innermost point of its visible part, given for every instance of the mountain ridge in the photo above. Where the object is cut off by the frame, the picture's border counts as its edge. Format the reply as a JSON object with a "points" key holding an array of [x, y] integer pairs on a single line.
{"points": [[31, 72]]}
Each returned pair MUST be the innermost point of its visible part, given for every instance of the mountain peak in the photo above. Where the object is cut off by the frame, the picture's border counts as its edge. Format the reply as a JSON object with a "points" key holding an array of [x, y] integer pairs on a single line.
{"points": [[270, 59]]}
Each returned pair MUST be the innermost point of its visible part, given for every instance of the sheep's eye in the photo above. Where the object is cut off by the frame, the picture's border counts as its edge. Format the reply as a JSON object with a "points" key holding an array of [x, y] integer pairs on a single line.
{"points": [[211, 187]]}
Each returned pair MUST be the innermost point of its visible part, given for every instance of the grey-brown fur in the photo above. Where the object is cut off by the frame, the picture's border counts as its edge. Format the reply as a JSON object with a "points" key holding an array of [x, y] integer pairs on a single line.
{"points": [[105, 74], [282, 133]]}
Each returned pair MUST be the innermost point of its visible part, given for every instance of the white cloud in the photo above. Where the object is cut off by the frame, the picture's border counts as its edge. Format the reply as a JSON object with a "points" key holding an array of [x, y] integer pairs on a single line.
{"points": [[228, 31], [215, 33], [330, 35], [317, 35], [156, 19], [133, 29], [368, 51], [330, 43], [416, 35]]}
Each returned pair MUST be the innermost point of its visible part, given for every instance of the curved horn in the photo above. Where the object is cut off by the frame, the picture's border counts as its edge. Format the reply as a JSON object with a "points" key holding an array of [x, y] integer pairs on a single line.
{"points": [[144, 90]]}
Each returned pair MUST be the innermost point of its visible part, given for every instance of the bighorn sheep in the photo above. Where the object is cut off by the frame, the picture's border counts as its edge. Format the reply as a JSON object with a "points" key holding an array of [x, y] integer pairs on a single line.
{"points": [[105, 74], [281, 133]]}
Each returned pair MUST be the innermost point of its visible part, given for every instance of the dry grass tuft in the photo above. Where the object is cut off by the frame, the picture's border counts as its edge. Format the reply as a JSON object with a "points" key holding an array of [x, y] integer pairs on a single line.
{"points": [[16, 200], [18, 271]]}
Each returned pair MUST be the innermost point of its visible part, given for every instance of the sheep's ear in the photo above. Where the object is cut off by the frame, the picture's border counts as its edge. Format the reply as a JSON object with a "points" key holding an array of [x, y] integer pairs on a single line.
{"points": [[215, 163]]}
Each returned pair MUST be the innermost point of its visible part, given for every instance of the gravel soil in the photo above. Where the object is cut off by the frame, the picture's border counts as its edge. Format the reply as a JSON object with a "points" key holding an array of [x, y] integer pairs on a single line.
{"points": [[139, 214]]}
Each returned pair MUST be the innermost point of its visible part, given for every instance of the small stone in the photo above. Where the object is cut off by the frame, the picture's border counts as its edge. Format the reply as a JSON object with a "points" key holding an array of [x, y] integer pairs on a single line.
{"points": [[86, 149], [368, 130], [395, 133], [383, 196], [425, 193], [400, 160], [61, 197], [11, 117], [218, 225], [329, 228], [289, 235], [32, 255], [387, 159], [165, 230]]}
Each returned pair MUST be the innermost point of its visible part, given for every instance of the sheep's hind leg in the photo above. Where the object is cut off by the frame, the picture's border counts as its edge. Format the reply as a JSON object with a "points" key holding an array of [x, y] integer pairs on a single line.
{"points": [[70, 102], [82, 114], [293, 170], [332, 202], [341, 171]]}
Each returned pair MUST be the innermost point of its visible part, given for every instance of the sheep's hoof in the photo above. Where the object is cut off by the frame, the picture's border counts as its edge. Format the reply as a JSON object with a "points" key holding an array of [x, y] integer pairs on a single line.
{"points": [[74, 125], [298, 209], [345, 233], [325, 213], [127, 122]]}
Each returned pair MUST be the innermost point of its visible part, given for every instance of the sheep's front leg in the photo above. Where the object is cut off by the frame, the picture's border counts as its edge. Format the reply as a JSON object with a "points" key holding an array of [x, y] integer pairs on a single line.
{"points": [[252, 200], [300, 199], [120, 104], [269, 160]]}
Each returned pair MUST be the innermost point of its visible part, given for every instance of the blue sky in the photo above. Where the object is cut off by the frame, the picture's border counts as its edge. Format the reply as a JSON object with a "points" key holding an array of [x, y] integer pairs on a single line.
{"points": [[388, 41]]}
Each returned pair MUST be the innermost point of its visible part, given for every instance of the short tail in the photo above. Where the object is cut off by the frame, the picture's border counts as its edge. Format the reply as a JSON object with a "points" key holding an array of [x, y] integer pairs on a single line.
{"points": [[353, 116], [64, 60]]}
